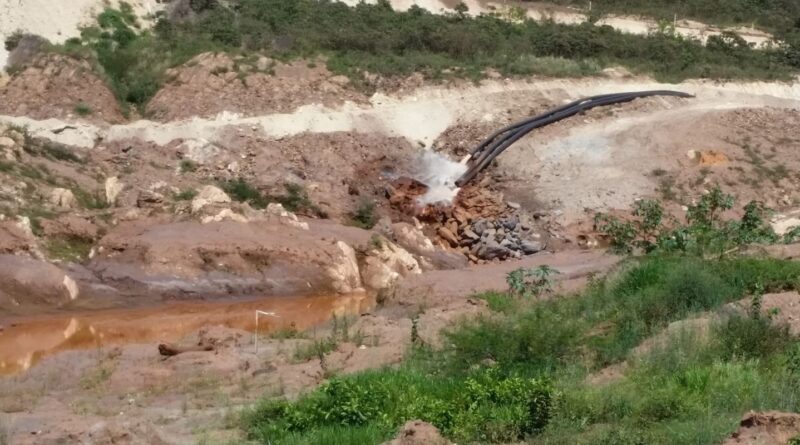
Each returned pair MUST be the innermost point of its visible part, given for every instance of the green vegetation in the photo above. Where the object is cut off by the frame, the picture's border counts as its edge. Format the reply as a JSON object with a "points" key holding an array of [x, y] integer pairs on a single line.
{"points": [[83, 109], [186, 195], [294, 200], [241, 190], [686, 384], [690, 388], [68, 249], [531, 282], [364, 215], [775, 15], [485, 406], [703, 232], [188, 166], [377, 39]]}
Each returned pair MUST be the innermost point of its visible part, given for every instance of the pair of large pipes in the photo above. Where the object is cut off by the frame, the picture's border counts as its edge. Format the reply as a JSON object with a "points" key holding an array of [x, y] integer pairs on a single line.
{"points": [[500, 140]]}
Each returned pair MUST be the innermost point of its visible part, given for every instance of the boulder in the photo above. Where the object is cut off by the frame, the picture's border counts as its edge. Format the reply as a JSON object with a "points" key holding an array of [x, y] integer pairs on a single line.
{"points": [[113, 188], [385, 263], [61, 197], [208, 195], [344, 271], [223, 215], [275, 209], [29, 282], [6, 142]]}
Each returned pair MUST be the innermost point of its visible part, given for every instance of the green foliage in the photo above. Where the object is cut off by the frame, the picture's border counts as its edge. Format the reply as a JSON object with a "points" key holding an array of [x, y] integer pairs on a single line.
{"points": [[186, 195], [775, 15], [377, 39], [365, 216], [296, 200], [531, 282], [614, 315], [241, 190], [499, 302], [187, 166], [13, 40], [704, 231], [484, 406], [83, 109], [68, 249]]}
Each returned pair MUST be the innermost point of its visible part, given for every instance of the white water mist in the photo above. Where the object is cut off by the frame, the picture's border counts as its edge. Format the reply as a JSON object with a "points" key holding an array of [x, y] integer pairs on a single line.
{"points": [[439, 173]]}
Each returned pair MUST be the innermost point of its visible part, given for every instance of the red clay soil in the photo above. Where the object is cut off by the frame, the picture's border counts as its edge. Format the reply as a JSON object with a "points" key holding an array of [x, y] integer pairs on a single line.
{"points": [[52, 85], [766, 428], [212, 83]]}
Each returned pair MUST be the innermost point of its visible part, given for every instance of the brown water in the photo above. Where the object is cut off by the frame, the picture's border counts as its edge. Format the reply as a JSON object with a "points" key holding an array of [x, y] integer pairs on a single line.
{"points": [[26, 341]]}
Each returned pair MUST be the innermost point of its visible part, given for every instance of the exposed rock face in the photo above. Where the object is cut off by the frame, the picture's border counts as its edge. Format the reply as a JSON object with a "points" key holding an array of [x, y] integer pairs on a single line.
{"points": [[225, 215], [113, 188], [766, 428], [344, 271], [211, 83], [386, 263], [209, 195], [227, 258], [52, 85], [26, 282], [417, 432], [14, 239], [63, 198], [285, 216]]}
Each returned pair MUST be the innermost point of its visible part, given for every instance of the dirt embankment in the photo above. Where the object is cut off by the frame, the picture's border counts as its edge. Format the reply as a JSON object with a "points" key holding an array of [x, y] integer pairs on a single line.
{"points": [[211, 84], [54, 86]]}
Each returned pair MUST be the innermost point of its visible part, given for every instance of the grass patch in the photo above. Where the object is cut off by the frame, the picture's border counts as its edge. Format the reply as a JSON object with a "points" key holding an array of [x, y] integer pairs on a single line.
{"points": [[68, 249], [365, 216], [186, 195], [242, 191], [187, 166], [485, 406], [519, 373], [82, 109]]}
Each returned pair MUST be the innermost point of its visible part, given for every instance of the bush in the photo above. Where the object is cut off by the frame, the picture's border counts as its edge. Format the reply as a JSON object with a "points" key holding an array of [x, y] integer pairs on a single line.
{"points": [[82, 109], [241, 190], [365, 216], [374, 38], [486, 406]]}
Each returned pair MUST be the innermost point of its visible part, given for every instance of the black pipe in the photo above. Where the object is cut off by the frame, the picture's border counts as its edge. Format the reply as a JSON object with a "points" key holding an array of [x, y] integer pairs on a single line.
{"points": [[491, 148]]}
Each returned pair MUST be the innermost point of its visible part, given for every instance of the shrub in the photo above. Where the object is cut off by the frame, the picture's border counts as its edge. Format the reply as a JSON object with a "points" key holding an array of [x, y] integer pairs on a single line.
{"points": [[376, 39], [186, 195], [486, 406], [188, 166], [241, 190], [82, 109], [365, 216], [531, 282]]}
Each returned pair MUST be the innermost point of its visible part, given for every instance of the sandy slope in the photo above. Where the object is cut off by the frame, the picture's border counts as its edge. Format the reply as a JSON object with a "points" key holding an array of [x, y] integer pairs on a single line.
{"points": [[56, 20]]}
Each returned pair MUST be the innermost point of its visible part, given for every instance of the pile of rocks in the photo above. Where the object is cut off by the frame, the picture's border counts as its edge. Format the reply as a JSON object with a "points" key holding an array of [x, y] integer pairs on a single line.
{"points": [[480, 223], [493, 238]]}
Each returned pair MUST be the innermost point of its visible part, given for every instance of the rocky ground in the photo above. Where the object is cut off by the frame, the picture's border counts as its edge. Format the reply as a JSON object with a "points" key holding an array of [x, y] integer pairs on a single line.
{"points": [[254, 182]]}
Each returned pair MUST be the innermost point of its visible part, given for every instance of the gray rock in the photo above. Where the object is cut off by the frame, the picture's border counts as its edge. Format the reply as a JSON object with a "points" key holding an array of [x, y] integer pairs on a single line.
{"points": [[513, 205], [530, 247], [492, 250], [480, 226], [470, 234]]}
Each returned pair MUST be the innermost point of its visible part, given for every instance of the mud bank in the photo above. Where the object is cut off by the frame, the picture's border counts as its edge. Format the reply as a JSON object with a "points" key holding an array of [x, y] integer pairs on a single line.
{"points": [[26, 341]]}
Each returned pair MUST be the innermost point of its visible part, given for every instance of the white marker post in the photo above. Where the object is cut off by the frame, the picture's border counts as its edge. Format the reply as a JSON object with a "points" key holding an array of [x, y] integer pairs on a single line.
{"points": [[255, 336]]}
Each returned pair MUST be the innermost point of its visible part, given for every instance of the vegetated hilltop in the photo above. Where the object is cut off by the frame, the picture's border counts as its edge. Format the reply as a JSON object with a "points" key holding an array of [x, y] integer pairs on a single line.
{"points": [[374, 39], [780, 16]]}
